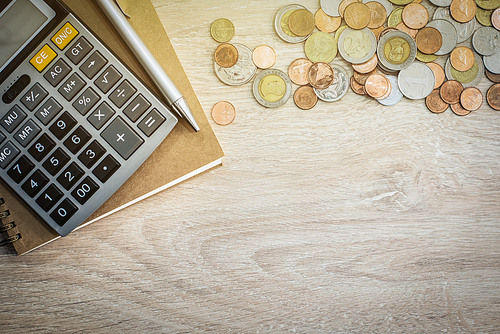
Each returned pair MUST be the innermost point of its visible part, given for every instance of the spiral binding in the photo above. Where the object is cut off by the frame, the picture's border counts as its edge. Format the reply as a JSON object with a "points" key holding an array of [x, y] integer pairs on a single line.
{"points": [[6, 227]]}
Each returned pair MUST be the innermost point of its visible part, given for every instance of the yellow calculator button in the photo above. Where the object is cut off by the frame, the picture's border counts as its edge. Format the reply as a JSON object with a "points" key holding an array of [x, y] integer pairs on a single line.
{"points": [[64, 36], [43, 58]]}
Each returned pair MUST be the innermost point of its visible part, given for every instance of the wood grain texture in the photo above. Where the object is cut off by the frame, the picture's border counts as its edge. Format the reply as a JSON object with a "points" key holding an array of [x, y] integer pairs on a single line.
{"points": [[350, 217]]}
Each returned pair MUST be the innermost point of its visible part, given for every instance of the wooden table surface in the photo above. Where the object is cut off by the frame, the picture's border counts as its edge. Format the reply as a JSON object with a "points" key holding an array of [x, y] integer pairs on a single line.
{"points": [[350, 217]]}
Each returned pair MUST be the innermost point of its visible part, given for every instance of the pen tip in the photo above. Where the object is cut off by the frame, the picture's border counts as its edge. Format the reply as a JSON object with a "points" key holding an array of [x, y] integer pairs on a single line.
{"points": [[183, 109]]}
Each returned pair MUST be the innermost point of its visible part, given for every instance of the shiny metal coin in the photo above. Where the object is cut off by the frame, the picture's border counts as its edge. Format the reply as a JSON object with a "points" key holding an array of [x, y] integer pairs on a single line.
{"points": [[290, 37], [441, 3], [242, 72], [337, 89], [449, 33], [272, 88], [464, 30], [357, 46], [486, 41], [396, 50], [387, 5], [417, 81], [395, 95], [468, 78], [492, 63], [330, 7]]}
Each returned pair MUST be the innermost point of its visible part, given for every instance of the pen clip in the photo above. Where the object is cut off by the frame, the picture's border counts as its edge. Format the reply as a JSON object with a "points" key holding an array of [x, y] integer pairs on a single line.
{"points": [[121, 9]]}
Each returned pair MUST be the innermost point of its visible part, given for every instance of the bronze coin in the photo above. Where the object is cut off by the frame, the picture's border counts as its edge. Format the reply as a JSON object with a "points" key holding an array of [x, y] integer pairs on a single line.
{"points": [[301, 22], [415, 16], [435, 103], [493, 96], [320, 75], [377, 31], [223, 113], [463, 10], [450, 91], [226, 55], [459, 110], [361, 77], [462, 58], [492, 76], [439, 74], [366, 67], [429, 40], [297, 71], [378, 14], [326, 23], [377, 86], [386, 30], [264, 56], [403, 27], [471, 98], [305, 98], [357, 87], [495, 18]]}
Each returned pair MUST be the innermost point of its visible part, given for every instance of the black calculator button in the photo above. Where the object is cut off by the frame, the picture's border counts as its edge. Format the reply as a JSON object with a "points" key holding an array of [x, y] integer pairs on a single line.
{"points": [[8, 152], [63, 212], [106, 168], [70, 176], [85, 190], [49, 197], [137, 107], [151, 122], [122, 138], [72, 86], [122, 93], [20, 169], [91, 154], [48, 111], [86, 101], [77, 139], [56, 161], [35, 183], [2, 137], [27, 133], [79, 50], [93, 64], [16, 89], [57, 72], [41, 147], [63, 125], [34, 96], [13, 118], [108, 79], [101, 115]]}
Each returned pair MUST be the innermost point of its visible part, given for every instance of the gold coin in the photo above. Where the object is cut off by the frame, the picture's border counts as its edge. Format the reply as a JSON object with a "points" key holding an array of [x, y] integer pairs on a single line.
{"points": [[284, 23], [326, 23], [357, 15], [395, 17], [222, 30], [462, 58], [378, 14], [425, 58], [321, 46], [415, 16], [483, 16], [223, 113], [488, 4], [397, 50], [463, 10], [272, 88], [339, 32], [343, 4], [301, 22], [465, 76], [226, 55], [401, 2]]}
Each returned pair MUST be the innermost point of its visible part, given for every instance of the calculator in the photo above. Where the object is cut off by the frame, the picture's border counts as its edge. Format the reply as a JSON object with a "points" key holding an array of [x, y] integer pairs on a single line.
{"points": [[75, 122]]}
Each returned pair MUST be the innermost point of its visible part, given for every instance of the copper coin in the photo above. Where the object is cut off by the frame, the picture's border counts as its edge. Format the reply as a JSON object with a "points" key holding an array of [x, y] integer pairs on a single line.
{"points": [[429, 40], [378, 14], [403, 27], [305, 98], [459, 110], [439, 73], [450, 91], [492, 76], [386, 30], [343, 4], [463, 10], [377, 85], [435, 103], [357, 87], [264, 56], [378, 31], [226, 55], [361, 77], [366, 67], [326, 23], [223, 113], [495, 18], [320, 75], [297, 71], [462, 58], [357, 15], [471, 98], [493, 96], [415, 16]]}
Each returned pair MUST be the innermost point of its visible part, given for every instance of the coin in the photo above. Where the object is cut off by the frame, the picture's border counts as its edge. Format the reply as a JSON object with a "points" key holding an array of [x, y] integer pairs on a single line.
{"points": [[449, 34], [272, 88], [403, 27], [357, 46], [297, 71], [377, 31], [450, 91], [343, 4], [366, 67], [439, 75], [395, 96], [242, 72], [357, 15], [486, 41], [425, 58], [492, 76], [464, 30], [305, 98], [492, 63], [429, 40], [468, 78], [222, 30], [396, 50], [357, 87], [462, 58], [387, 5], [463, 10], [378, 14], [395, 17], [361, 77], [330, 7], [337, 89], [483, 16], [226, 55], [377, 86], [281, 24], [401, 2], [471, 98], [493, 96], [320, 75], [223, 113], [495, 18], [435, 103], [339, 32], [301, 22], [386, 30], [415, 16], [488, 4], [264, 56], [441, 3], [326, 23], [459, 110], [416, 81], [320, 46]]}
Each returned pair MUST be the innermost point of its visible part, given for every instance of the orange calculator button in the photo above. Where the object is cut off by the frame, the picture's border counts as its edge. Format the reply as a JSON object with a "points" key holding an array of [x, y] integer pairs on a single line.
{"points": [[43, 58], [64, 36]]}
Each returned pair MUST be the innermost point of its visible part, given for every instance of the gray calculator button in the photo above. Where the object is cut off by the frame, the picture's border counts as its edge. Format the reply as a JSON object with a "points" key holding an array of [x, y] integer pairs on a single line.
{"points": [[86, 101], [136, 108], [34, 96], [108, 79], [48, 111], [71, 86], [122, 93], [27, 133], [122, 138], [79, 50], [101, 115], [57, 72], [13, 118], [151, 122], [7, 153], [93, 64]]}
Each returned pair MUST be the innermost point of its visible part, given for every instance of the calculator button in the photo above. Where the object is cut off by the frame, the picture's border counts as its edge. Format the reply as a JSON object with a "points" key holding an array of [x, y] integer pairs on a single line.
{"points": [[57, 72], [101, 115], [63, 212], [79, 50], [70, 176], [35, 183], [16, 89], [136, 108], [34, 96], [91, 154], [86, 101], [93, 64], [41, 147], [106, 168], [49, 197], [85, 190], [122, 93], [108, 79], [71, 86], [13, 118], [64, 36], [77, 140], [7, 153], [43, 58], [151, 122], [63, 125], [2, 137], [27, 133], [20, 169], [122, 138], [56, 161], [48, 111]]}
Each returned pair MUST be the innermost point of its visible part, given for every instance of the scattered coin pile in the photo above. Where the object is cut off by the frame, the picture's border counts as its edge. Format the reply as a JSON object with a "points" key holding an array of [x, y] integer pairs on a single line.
{"points": [[394, 48]]}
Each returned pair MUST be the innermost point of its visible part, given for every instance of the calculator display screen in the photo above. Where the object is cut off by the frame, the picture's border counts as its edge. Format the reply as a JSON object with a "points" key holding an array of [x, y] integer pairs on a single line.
{"points": [[20, 22]]}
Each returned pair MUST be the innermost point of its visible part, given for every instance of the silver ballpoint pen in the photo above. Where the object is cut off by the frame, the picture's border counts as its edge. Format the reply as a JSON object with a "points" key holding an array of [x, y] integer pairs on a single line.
{"points": [[147, 60]]}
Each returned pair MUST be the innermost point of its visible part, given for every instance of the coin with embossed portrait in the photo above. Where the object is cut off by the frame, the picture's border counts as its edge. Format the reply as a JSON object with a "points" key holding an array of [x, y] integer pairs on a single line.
{"points": [[226, 55], [337, 89], [305, 98], [320, 75], [396, 50], [240, 73], [272, 88]]}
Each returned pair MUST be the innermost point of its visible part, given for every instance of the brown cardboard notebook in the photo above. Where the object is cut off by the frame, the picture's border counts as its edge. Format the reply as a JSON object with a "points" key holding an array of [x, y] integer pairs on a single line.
{"points": [[183, 154]]}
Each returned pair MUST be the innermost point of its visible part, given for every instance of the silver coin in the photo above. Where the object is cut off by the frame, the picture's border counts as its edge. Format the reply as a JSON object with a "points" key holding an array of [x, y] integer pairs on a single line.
{"points": [[486, 41], [396, 49], [279, 30], [330, 7], [337, 89], [395, 95], [357, 46], [449, 34], [464, 30], [264, 90], [241, 72], [492, 63], [461, 77], [441, 3], [417, 81], [387, 5]]}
